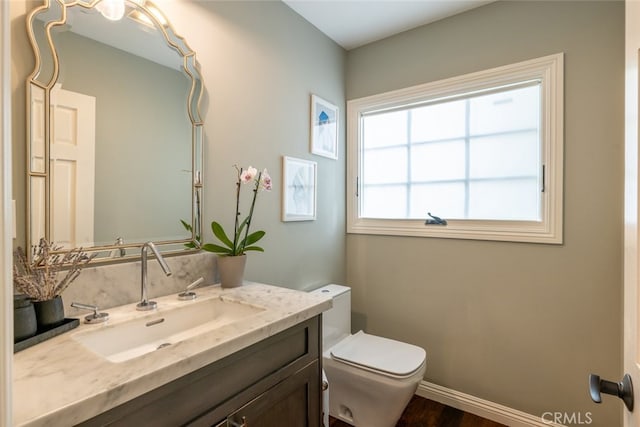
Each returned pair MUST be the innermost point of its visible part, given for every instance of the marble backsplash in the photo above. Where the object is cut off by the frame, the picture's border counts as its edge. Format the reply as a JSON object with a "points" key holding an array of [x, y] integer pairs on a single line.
{"points": [[118, 284]]}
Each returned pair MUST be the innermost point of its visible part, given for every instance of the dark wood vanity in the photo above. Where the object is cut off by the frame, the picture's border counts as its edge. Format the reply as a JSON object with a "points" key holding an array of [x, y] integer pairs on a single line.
{"points": [[275, 382]]}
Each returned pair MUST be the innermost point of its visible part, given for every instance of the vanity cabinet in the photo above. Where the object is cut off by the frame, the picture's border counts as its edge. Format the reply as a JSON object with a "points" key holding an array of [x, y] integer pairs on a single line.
{"points": [[289, 403], [274, 382]]}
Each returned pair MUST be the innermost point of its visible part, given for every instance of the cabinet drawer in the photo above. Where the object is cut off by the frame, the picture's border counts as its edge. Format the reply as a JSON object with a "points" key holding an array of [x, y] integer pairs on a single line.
{"points": [[216, 389], [293, 402]]}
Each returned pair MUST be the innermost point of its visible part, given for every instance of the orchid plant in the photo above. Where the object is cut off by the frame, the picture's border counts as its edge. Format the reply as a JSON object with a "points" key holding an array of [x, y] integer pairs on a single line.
{"points": [[241, 241]]}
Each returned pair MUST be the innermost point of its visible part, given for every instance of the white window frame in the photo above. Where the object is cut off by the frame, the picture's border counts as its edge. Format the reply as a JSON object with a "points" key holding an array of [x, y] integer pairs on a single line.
{"points": [[549, 70]]}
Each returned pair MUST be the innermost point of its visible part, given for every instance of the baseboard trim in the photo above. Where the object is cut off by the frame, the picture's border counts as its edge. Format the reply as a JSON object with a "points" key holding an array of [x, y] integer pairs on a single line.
{"points": [[483, 408]]}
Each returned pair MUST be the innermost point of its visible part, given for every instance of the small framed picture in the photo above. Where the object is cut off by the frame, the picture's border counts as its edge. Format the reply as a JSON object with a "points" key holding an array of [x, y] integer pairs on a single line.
{"points": [[298, 189], [324, 128]]}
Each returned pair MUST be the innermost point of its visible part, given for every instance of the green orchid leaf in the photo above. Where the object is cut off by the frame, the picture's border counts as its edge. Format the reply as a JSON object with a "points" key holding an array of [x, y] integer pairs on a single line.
{"points": [[254, 248], [186, 225], [254, 237], [249, 240], [210, 247], [218, 231]]}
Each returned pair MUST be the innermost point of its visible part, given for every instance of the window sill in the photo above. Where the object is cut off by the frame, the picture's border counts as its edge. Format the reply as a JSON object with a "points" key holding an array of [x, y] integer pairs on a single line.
{"points": [[507, 231]]}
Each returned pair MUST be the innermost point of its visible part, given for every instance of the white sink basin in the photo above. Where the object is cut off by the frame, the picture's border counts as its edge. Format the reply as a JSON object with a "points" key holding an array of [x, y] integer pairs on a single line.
{"points": [[127, 340]]}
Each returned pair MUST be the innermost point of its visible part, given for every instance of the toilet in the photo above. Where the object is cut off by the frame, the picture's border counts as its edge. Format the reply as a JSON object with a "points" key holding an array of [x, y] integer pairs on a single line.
{"points": [[371, 378]]}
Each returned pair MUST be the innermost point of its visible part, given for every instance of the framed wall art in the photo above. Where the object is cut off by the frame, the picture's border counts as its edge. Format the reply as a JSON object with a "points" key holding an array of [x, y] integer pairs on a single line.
{"points": [[324, 128], [299, 179]]}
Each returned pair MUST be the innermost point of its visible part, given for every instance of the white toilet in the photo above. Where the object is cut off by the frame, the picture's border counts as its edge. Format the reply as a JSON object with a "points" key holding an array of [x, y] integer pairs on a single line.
{"points": [[371, 379]]}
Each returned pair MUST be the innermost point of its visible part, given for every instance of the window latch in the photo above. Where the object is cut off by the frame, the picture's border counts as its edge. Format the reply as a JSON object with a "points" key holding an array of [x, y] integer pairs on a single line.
{"points": [[434, 220]]}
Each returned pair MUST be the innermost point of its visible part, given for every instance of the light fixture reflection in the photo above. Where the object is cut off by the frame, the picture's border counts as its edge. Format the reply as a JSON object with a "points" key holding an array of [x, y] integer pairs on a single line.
{"points": [[142, 18], [111, 9]]}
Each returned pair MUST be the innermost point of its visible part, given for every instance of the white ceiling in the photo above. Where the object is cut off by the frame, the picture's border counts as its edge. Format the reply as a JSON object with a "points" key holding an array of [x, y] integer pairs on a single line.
{"points": [[353, 23]]}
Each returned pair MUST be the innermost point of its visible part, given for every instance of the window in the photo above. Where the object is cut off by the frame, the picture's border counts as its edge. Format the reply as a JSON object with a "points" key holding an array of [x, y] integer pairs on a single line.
{"points": [[483, 151]]}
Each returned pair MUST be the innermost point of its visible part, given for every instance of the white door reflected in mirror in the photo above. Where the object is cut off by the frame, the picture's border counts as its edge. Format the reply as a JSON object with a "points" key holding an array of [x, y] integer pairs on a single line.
{"points": [[72, 166]]}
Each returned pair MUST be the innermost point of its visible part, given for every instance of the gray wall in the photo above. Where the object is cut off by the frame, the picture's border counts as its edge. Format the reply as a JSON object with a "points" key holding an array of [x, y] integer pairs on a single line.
{"points": [[260, 64], [518, 324]]}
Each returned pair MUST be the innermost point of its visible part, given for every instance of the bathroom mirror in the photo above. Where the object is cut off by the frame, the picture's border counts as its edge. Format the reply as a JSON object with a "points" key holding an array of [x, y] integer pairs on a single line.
{"points": [[114, 134]]}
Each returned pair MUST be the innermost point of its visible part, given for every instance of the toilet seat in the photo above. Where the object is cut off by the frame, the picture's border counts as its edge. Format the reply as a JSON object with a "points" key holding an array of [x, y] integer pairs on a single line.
{"points": [[380, 355]]}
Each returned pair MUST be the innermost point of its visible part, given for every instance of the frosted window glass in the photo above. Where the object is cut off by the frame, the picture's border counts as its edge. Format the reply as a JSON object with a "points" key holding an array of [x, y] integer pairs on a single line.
{"points": [[438, 121], [516, 199], [505, 111], [384, 166], [515, 154], [387, 201], [473, 158], [438, 161], [384, 130], [444, 200]]}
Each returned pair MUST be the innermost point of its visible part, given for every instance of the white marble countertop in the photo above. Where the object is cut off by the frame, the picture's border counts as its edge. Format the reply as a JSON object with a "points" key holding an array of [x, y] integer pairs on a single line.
{"points": [[60, 382]]}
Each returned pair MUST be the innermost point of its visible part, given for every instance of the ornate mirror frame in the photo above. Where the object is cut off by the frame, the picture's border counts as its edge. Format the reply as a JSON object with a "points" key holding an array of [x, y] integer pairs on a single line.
{"points": [[38, 173]]}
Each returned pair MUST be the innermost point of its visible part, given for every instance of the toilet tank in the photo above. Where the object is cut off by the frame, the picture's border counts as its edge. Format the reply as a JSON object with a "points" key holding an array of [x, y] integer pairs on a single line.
{"points": [[336, 322]]}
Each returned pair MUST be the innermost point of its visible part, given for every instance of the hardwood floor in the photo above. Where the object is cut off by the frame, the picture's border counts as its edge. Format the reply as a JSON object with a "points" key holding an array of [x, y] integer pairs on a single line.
{"points": [[422, 412]]}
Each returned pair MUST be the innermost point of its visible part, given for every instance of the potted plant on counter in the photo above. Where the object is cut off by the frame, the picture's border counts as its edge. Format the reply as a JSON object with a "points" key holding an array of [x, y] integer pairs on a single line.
{"points": [[232, 248], [45, 277]]}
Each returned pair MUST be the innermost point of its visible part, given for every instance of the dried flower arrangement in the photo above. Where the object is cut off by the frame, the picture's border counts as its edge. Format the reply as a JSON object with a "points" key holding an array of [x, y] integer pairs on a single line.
{"points": [[38, 278]]}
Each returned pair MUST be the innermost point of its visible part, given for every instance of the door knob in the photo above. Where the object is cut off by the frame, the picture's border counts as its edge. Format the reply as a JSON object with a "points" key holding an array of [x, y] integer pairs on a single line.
{"points": [[623, 389]]}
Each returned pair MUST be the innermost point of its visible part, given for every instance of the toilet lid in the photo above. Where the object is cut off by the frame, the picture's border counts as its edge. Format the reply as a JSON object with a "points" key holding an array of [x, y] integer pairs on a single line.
{"points": [[379, 354]]}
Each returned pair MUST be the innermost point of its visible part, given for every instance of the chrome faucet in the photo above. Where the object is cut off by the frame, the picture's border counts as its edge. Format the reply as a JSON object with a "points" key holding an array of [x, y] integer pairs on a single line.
{"points": [[120, 252], [144, 303]]}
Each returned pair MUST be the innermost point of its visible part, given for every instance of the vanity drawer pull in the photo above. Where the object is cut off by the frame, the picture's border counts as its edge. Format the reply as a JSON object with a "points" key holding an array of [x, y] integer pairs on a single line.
{"points": [[235, 424]]}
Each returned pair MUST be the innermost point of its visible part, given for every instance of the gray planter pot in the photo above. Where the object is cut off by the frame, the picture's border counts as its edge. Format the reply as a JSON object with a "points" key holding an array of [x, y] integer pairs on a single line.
{"points": [[24, 318], [231, 270], [49, 313]]}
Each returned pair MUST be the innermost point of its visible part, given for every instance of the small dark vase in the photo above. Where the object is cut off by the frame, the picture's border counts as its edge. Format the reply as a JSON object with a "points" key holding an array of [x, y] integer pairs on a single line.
{"points": [[24, 318], [50, 313]]}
